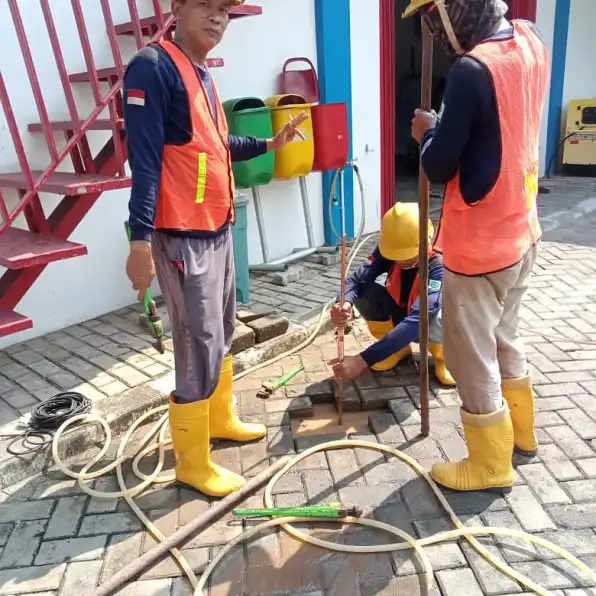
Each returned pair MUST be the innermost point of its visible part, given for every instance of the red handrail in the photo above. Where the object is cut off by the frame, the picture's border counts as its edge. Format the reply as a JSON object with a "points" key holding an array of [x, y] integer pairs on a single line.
{"points": [[76, 146]]}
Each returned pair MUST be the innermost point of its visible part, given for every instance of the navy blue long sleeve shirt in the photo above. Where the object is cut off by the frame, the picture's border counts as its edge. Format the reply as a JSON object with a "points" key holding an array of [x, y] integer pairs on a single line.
{"points": [[468, 137], [164, 119], [406, 331]]}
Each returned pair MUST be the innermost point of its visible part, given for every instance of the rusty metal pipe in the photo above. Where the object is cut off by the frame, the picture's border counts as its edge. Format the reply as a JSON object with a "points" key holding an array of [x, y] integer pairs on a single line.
{"points": [[424, 199], [198, 525]]}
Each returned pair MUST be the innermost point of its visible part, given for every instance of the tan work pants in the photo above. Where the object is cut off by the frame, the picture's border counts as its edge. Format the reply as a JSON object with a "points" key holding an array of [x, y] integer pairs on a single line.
{"points": [[481, 339]]}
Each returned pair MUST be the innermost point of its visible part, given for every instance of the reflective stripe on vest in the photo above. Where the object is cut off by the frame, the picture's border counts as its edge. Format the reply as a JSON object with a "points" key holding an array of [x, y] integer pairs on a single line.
{"points": [[197, 187], [495, 233]]}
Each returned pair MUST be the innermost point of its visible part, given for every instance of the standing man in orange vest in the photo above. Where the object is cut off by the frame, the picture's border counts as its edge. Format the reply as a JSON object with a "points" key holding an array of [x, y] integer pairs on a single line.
{"points": [[181, 209], [485, 149]]}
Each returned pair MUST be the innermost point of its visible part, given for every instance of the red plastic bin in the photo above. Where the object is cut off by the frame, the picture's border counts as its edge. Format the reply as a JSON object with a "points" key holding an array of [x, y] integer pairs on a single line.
{"points": [[331, 136], [300, 82]]}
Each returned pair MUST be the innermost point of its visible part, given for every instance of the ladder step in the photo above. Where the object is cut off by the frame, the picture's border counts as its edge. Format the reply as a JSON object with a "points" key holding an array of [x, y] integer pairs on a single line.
{"points": [[12, 322], [21, 248], [67, 183], [236, 12], [68, 125]]}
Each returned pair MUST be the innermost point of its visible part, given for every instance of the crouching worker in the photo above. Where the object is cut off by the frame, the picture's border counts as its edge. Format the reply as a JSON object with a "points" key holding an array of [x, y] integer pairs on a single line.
{"points": [[181, 211], [392, 311]]}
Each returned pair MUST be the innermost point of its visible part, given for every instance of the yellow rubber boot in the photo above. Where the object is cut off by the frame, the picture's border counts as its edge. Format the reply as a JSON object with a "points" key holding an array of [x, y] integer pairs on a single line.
{"points": [[490, 447], [520, 397], [441, 372], [189, 425], [379, 329], [223, 420]]}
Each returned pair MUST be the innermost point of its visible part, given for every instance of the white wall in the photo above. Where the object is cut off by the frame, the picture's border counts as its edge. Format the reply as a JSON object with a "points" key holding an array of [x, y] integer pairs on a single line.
{"points": [[254, 51], [366, 97], [545, 19], [580, 74]]}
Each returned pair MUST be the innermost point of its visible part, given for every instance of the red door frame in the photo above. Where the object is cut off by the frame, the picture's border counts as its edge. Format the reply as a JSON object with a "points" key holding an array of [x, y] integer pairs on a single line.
{"points": [[518, 9]]}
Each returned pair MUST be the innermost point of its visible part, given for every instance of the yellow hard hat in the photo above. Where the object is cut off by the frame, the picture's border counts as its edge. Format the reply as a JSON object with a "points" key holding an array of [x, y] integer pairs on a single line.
{"points": [[400, 232], [414, 6]]}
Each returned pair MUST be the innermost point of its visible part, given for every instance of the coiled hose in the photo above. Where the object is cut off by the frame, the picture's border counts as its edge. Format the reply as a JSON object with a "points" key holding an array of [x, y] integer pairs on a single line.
{"points": [[157, 434]]}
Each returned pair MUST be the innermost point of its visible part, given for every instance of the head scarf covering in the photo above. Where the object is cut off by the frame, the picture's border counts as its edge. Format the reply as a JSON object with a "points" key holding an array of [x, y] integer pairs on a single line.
{"points": [[472, 21]]}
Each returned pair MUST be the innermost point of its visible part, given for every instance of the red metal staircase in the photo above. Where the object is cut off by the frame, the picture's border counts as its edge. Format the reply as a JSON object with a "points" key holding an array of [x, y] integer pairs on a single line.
{"points": [[25, 253]]}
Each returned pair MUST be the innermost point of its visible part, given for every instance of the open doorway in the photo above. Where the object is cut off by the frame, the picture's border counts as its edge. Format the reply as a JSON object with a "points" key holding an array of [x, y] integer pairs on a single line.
{"points": [[408, 62]]}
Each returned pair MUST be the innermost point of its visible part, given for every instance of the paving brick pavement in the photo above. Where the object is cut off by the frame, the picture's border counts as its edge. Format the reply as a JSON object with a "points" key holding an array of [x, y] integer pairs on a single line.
{"points": [[56, 541]]}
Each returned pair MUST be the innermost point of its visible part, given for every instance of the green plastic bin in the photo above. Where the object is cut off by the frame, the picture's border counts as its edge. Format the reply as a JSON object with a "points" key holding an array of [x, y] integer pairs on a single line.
{"points": [[240, 240], [250, 117]]}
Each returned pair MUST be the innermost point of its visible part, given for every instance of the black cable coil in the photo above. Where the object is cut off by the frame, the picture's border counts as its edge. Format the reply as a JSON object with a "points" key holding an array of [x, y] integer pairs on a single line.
{"points": [[46, 418]]}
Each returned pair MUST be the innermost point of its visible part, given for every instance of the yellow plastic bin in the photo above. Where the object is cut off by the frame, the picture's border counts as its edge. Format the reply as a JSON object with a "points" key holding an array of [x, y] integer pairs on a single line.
{"points": [[296, 158]]}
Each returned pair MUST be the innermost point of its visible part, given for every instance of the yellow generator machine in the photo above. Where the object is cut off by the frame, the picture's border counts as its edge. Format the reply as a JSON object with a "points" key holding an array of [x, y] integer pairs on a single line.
{"points": [[580, 133]]}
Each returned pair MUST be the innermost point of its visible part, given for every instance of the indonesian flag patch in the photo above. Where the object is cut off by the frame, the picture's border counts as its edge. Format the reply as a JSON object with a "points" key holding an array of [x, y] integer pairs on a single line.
{"points": [[135, 97]]}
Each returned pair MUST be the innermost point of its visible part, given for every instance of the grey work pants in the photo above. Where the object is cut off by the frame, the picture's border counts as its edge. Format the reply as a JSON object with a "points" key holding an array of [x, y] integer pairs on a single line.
{"points": [[481, 340], [197, 280]]}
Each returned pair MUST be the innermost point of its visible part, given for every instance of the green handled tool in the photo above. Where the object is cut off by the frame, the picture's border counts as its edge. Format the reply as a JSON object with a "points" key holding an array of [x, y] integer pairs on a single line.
{"points": [[334, 510], [269, 387], [151, 315]]}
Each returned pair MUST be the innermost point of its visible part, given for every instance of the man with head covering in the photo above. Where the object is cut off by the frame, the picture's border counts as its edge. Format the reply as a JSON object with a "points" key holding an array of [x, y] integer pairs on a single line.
{"points": [[485, 149]]}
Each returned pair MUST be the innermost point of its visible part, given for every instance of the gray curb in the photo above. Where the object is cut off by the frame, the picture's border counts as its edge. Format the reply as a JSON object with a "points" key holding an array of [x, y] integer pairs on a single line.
{"points": [[122, 410], [567, 216]]}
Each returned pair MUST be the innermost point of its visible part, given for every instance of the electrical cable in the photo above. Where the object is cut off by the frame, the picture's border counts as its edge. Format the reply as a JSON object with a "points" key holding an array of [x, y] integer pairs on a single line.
{"points": [[555, 153], [157, 433], [46, 418]]}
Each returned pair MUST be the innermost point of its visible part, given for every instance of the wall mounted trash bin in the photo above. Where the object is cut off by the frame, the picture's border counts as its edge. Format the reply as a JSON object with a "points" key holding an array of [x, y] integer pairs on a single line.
{"points": [[240, 240], [302, 82], [296, 158], [331, 136], [250, 117]]}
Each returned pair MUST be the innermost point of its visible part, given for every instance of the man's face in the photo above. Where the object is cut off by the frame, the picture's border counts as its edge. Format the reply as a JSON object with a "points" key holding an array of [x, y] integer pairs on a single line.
{"points": [[407, 264], [202, 22]]}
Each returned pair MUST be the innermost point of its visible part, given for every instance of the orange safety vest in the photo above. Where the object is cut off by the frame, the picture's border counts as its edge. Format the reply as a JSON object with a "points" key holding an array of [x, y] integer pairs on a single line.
{"points": [[496, 233], [197, 187], [393, 286]]}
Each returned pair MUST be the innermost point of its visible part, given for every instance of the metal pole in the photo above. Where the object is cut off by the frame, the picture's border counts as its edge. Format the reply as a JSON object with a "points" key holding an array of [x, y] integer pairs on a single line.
{"points": [[306, 208], [342, 297], [193, 528], [424, 199], [260, 223]]}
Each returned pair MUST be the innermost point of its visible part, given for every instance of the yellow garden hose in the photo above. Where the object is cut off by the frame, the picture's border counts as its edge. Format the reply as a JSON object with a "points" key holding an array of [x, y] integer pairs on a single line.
{"points": [[156, 440]]}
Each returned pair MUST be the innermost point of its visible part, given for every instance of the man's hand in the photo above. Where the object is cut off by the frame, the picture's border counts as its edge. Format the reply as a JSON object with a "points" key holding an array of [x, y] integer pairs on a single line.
{"points": [[341, 314], [421, 123], [140, 268], [350, 368], [287, 133]]}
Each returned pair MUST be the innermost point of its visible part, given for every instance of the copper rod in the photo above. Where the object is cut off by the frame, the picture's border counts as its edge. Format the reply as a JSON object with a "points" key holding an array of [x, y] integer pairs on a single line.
{"points": [[424, 208]]}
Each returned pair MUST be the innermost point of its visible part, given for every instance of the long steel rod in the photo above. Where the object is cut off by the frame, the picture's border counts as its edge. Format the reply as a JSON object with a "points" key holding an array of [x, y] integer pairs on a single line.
{"points": [[342, 297], [306, 208], [256, 196], [424, 208], [193, 528]]}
